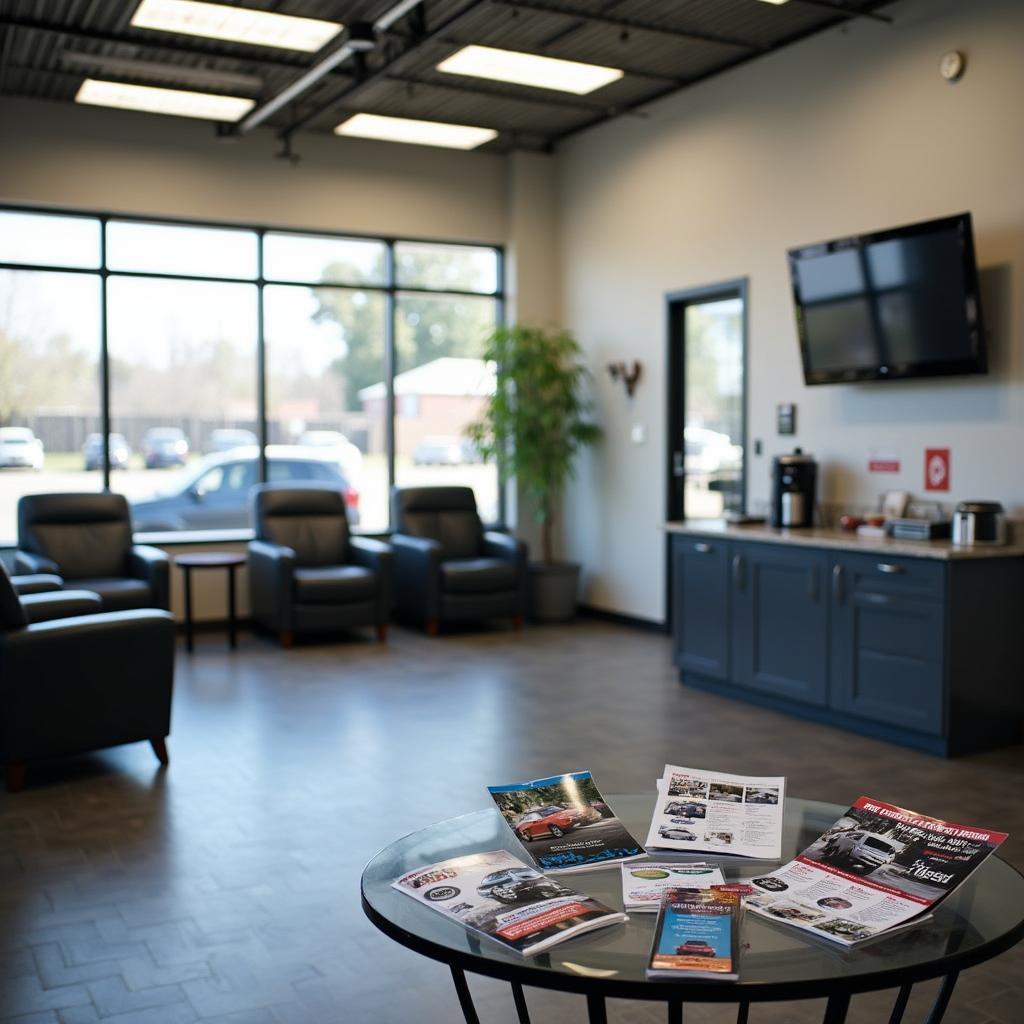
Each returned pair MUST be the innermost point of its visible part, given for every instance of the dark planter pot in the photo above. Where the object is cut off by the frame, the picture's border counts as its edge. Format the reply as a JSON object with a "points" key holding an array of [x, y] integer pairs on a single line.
{"points": [[554, 590]]}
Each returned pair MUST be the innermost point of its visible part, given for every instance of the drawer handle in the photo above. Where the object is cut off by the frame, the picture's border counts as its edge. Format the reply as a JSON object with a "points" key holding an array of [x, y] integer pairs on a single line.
{"points": [[738, 572], [888, 567], [703, 549], [838, 584]]}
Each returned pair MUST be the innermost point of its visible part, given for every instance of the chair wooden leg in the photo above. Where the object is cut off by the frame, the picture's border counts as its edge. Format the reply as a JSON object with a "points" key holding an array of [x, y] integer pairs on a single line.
{"points": [[159, 745], [382, 632], [517, 622], [15, 776], [287, 638], [433, 627]]}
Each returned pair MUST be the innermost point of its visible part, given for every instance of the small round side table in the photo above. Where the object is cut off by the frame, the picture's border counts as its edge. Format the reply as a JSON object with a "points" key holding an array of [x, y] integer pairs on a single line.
{"points": [[210, 560]]}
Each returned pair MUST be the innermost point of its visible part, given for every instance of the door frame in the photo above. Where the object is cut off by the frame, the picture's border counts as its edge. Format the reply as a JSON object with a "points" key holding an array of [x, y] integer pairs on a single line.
{"points": [[675, 305]]}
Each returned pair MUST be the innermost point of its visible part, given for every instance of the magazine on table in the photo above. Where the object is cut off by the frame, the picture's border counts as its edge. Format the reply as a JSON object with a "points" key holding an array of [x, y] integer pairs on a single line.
{"points": [[878, 869], [712, 812], [564, 823], [497, 895], [697, 935], [643, 884]]}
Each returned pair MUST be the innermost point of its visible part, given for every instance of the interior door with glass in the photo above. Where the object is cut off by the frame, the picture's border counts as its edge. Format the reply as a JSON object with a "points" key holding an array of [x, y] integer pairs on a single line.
{"points": [[707, 402]]}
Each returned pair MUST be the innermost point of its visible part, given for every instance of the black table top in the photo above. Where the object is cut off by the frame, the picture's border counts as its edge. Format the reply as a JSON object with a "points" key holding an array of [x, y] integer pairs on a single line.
{"points": [[210, 559], [980, 920]]}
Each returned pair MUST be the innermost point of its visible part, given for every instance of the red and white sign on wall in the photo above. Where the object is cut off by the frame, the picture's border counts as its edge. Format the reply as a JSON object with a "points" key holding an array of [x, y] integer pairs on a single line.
{"points": [[936, 469], [883, 461]]}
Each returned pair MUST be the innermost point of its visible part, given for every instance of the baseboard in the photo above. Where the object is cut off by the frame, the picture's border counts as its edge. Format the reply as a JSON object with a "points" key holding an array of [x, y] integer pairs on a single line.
{"points": [[623, 620]]}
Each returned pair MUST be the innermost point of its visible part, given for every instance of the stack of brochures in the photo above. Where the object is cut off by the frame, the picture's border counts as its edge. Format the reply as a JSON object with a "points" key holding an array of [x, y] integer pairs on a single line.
{"points": [[878, 869], [711, 812], [497, 895], [697, 935], [564, 823], [644, 884]]}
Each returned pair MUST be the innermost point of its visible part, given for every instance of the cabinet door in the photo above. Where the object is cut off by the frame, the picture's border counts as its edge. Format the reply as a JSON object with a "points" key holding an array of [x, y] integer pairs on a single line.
{"points": [[888, 641], [780, 621], [700, 605]]}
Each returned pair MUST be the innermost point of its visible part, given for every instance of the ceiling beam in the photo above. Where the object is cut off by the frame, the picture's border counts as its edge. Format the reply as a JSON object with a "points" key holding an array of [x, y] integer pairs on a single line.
{"points": [[169, 42], [479, 88], [627, 24], [847, 12], [414, 43]]}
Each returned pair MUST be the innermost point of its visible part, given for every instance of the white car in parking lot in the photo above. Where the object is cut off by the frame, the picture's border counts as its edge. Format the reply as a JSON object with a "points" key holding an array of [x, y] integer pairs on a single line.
{"points": [[19, 447]]}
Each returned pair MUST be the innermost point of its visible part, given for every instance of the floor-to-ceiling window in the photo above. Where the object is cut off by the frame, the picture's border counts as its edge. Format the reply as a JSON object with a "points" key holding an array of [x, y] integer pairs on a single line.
{"points": [[179, 364]]}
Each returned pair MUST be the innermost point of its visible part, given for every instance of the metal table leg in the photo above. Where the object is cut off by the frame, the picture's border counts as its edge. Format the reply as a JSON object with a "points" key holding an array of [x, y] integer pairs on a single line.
{"points": [[742, 1013], [520, 1000], [675, 1011], [837, 1008], [465, 999], [595, 1010], [900, 1006], [942, 1000]]}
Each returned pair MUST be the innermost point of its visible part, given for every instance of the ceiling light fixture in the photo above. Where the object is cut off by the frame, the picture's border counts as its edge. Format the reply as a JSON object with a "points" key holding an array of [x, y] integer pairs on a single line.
{"points": [[153, 100], [529, 69], [235, 24], [776, 2], [421, 133]]}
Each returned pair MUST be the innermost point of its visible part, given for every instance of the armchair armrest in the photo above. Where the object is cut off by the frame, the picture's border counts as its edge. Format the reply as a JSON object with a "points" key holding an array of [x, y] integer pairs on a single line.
{"points": [[376, 556], [504, 545], [152, 565], [37, 583], [271, 583], [27, 562], [417, 562], [65, 604]]}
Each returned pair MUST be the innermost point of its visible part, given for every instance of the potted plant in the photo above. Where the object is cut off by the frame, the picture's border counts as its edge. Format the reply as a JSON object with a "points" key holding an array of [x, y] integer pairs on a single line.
{"points": [[533, 426]]}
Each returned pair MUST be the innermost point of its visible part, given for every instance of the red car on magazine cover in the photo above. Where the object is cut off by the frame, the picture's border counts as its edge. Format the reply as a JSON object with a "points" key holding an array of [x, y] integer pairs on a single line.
{"points": [[553, 821]]}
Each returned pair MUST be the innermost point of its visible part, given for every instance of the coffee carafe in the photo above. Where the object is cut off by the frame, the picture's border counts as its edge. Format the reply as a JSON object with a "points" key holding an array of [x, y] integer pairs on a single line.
{"points": [[794, 484]]}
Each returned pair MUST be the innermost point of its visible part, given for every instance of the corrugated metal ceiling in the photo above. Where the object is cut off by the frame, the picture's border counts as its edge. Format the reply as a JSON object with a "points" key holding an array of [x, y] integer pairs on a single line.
{"points": [[47, 47]]}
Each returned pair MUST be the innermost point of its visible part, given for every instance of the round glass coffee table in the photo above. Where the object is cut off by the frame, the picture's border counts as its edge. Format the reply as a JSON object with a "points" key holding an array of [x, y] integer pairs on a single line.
{"points": [[979, 921]]}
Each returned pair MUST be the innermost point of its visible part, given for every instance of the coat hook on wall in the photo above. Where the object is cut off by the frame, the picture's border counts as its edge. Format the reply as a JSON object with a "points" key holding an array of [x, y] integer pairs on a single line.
{"points": [[628, 375]]}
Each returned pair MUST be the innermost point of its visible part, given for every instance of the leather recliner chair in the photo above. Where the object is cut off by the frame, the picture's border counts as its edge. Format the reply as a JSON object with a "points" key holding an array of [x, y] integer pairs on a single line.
{"points": [[72, 685], [447, 567], [307, 574], [87, 539]]}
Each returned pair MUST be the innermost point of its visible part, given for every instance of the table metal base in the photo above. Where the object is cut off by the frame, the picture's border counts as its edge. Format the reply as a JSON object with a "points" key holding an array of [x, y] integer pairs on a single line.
{"points": [[836, 1010]]}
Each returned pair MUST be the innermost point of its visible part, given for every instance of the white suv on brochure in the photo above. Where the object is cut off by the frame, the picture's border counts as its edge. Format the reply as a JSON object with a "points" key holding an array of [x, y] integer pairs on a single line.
{"points": [[862, 848], [19, 446]]}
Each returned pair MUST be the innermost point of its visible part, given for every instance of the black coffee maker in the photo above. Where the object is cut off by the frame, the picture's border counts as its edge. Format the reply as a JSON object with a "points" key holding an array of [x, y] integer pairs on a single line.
{"points": [[794, 484]]}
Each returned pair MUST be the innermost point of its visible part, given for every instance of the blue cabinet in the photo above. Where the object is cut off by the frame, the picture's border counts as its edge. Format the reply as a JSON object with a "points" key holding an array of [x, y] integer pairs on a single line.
{"points": [[888, 641], [700, 601], [928, 652], [780, 621]]}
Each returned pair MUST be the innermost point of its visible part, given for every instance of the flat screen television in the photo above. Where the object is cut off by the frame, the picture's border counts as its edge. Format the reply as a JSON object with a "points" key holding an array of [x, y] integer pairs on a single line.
{"points": [[891, 304]]}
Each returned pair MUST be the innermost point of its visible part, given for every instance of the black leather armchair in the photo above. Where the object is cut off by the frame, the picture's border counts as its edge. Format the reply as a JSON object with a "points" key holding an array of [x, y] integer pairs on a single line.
{"points": [[307, 574], [87, 539], [72, 685], [447, 567]]}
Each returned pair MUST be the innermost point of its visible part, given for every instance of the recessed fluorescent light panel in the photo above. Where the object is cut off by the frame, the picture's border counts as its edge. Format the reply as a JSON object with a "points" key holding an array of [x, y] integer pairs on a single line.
{"points": [[420, 133], [529, 69], [179, 102], [235, 24], [776, 2]]}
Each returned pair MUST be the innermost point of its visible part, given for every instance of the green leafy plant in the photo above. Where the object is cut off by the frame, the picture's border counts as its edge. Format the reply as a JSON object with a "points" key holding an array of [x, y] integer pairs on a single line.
{"points": [[536, 421]]}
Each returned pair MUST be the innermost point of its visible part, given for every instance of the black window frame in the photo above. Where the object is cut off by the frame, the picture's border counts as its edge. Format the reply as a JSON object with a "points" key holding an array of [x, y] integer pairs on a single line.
{"points": [[390, 289]]}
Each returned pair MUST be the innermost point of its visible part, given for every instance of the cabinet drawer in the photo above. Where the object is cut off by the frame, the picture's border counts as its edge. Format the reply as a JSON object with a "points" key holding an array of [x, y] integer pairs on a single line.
{"points": [[920, 578]]}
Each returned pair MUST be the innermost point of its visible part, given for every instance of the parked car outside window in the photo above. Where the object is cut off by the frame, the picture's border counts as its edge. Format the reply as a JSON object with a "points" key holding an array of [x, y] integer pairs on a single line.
{"points": [[213, 492], [20, 448], [164, 446], [117, 446]]}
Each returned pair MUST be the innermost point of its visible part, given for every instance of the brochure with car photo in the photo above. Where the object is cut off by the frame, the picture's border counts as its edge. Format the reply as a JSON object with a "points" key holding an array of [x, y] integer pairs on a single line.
{"points": [[697, 935], [878, 869], [497, 895], [564, 823], [643, 884], [711, 812]]}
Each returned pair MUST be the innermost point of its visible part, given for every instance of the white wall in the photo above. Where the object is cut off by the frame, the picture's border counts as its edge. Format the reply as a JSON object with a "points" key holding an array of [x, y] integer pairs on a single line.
{"points": [[847, 132]]}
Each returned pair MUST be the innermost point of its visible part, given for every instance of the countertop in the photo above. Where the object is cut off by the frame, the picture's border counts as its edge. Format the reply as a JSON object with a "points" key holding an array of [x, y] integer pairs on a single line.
{"points": [[817, 537]]}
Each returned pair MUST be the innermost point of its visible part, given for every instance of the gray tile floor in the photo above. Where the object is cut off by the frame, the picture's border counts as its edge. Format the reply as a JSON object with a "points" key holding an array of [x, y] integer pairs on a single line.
{"points": [[226, 889]]}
